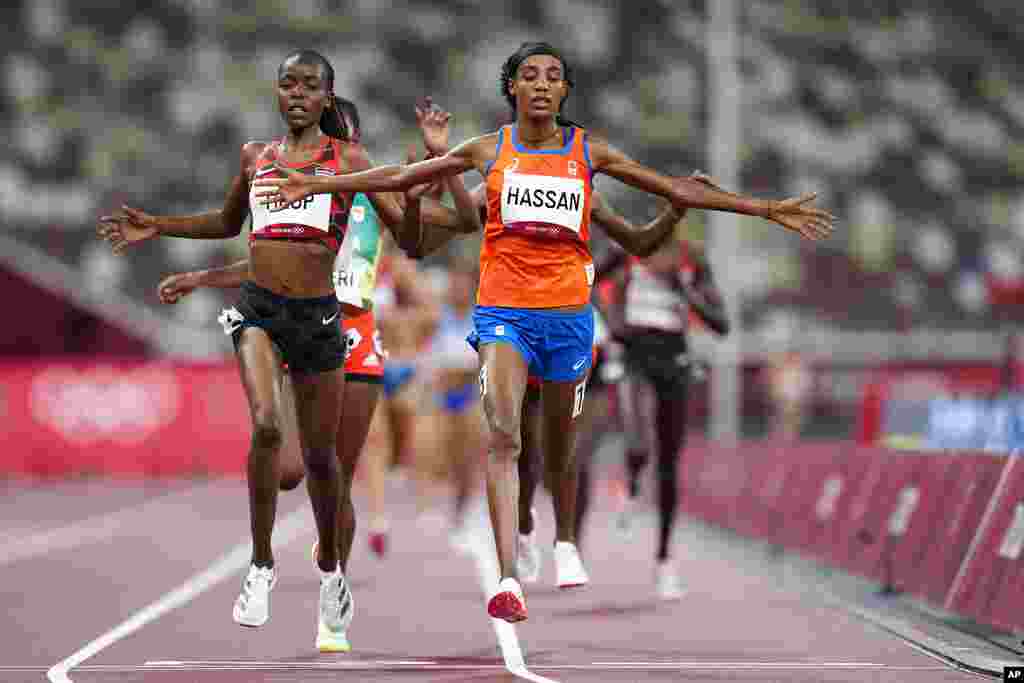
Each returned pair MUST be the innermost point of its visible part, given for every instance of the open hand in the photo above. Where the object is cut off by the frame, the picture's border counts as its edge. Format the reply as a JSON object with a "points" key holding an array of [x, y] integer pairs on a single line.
{"points": [[127, 227], [795, 214], [174, 287], [294, 186], [433, 123]]}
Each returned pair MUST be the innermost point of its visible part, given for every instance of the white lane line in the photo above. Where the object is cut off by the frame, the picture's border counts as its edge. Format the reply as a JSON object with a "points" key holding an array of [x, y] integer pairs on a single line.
{"points": [[373, 665], [402, 665], [290, 528], [485, 555], [34, 542]]}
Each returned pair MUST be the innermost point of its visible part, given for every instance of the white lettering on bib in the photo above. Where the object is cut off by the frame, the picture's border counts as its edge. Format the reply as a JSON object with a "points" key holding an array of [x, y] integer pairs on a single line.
{"points": [[313, 212], [542, 204]]}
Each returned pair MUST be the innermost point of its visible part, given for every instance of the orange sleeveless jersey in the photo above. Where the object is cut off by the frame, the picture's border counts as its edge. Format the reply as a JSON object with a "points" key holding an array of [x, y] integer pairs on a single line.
{"points": [[535, 252]]}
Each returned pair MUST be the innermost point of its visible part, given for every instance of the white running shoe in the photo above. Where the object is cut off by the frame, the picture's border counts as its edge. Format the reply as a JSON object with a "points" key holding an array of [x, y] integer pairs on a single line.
{"points": [[336, 604], [569, 571], [331, 641], [667, 582], [528, 558], [252, 608]]}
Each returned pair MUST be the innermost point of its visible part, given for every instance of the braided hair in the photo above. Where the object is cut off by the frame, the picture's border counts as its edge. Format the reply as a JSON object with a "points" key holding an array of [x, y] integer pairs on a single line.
{"points": [[331, 121], [511, 66]]}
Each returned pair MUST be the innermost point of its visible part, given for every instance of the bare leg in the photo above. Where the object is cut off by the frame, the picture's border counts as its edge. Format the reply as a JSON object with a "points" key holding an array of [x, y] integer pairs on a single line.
{"points": [[318, 402], [530, 459], [503, 375], [357, 414], [290, 456], [561, 405], [260, 368]]}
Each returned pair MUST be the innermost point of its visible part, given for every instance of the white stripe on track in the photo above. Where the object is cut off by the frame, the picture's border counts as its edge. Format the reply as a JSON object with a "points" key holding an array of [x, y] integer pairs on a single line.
{"points": [[291, 527], [486, 560], [32, 543]]}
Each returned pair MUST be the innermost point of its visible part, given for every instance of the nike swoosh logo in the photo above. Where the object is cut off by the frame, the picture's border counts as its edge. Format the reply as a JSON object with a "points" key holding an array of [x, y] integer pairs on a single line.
{"points": [[328, 320], [263, 171]]}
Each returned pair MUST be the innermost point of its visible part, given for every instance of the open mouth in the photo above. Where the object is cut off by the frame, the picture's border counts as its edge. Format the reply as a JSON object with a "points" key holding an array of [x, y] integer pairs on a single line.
{"points": [[295, 108], [541, 102]]}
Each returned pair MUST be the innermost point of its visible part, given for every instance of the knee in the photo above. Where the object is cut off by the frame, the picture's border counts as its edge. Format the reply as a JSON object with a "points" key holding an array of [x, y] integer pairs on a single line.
{"points": [[291, 478], [266, 431], [505, 440], [320, 463]]}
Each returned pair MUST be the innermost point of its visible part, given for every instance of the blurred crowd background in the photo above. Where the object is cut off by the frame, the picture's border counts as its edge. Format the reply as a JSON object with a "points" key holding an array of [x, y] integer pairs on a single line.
{"points": [[906, 117]]}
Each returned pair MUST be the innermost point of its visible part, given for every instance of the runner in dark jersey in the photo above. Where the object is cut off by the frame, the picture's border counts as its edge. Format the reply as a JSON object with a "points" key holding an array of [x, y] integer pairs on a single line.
{"points": [[287, 314], [657, 297]]}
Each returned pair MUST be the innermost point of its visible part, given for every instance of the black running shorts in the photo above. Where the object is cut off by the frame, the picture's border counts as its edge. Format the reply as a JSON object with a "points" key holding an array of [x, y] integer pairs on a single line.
{"points": [[306, 331]]}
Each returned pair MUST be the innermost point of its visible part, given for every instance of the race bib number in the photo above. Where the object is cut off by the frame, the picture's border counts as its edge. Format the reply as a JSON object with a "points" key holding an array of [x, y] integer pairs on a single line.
{"points": [[542, 205], [313, 212]]}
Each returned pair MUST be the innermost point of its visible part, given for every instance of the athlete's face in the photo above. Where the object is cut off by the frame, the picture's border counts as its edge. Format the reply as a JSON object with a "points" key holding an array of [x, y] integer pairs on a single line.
{"points": [[302, 94], [539, 86]]}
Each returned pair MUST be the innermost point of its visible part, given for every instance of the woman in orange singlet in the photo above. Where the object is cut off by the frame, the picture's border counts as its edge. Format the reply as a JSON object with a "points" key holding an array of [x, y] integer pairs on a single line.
{"points": [[533, 303]]}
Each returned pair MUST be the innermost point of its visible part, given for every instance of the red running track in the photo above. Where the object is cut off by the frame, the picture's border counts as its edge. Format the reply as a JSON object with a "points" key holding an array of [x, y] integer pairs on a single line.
{"points": [[120, 582]]}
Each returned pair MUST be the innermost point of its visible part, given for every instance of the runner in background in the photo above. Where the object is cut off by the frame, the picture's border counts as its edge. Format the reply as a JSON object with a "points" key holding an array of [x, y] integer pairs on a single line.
{"points": [[461, 439], [660, 297]]}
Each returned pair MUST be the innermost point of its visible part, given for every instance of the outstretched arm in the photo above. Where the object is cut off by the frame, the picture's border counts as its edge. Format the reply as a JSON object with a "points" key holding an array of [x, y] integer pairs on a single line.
{"points": [[174, 287], [475, 153], [639, 241], [129, 226], [793, 214], [387, 204]]}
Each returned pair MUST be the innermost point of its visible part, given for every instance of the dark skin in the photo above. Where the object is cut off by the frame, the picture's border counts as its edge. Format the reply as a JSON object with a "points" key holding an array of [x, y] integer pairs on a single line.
{"points": [[358, 405], [539, 87], [293, 269], [563, 475]]}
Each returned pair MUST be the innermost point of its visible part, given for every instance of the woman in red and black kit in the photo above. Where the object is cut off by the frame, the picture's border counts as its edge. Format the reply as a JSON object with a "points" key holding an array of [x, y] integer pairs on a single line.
{"points": [[656, 297], [288, 314]]}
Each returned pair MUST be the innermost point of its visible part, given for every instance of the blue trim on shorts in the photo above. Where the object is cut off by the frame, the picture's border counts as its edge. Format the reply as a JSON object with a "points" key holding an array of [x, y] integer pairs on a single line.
{"points": [[556, 345], [457, 400], [396, 375]]}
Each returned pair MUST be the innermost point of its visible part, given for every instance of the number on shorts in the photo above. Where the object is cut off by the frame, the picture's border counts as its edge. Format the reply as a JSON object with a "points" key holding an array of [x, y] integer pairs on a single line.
{"points": [[577, 402]]}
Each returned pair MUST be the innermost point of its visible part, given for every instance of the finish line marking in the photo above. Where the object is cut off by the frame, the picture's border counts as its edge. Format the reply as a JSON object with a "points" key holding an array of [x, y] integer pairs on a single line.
{"points": [[485, 557], [237, 559], [433, 665]]}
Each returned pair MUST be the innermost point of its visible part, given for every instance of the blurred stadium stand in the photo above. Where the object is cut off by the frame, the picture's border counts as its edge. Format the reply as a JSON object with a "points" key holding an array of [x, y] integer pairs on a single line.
{"points": [[908, 119]]}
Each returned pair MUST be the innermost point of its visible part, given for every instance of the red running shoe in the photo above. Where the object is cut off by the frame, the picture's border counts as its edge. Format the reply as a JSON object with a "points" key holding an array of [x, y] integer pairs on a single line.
{"points": [[508, 603], [379, 543]]}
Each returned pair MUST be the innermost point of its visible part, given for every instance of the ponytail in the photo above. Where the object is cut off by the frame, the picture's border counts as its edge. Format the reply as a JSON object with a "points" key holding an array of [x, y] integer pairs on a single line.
{"points": [[332, 123]]}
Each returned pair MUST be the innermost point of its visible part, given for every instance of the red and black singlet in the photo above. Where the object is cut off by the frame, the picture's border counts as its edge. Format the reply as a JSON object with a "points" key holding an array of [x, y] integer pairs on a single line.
{"points": [[320, 217]]}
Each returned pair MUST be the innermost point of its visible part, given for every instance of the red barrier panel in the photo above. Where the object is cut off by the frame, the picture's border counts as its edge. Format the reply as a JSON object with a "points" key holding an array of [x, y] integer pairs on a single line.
{"points": [[835, 502], [757, 510], [713, 482], [989, 587], [810, 467], [980, 576], [894, 501], [919, 518], [973, 483], [122, 419]]}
